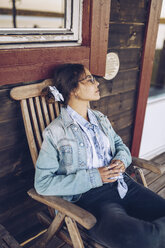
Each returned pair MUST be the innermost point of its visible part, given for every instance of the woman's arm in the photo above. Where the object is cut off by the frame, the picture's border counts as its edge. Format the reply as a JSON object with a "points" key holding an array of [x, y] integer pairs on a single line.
{"points": [[49, 182]]}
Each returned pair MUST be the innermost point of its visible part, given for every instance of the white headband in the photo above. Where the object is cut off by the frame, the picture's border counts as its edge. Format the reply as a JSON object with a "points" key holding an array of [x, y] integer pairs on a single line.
{"points": [[57, 95]]}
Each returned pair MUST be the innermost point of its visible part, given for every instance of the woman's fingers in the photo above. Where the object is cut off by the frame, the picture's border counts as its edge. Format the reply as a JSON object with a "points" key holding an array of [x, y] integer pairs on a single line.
{"points": [[108, 175], [112, 171], [117, 164]]}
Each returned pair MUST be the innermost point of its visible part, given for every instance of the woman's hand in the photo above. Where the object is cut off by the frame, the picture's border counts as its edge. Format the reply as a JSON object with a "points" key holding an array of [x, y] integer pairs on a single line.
{"points": [[113, 170]]}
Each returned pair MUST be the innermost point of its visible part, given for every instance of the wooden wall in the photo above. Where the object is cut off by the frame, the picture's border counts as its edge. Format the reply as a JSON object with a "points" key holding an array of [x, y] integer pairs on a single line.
{"points": [[17, 210], [126, 38], [118, 102]]}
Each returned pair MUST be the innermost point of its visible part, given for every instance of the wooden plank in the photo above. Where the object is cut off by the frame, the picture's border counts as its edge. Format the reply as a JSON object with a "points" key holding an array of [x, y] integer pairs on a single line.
{"points": [[83, 217], [74, 233], [157, 185], [120, 13], [30, 90], [86, 23], [151, 178], [162, 192], [146, 172], [160, 158], [53, 228], [129, 57], [45, 111], [124, 35], [146, 72], [123, 120], [125, 135], [14, 139], [56, 242], [57, 108], [51, 111], [39, 113], [11, 158], [150, 165], [115, 104], [29, 132], [11, 132], [13, 185], [24, 65], [9, 127], [20, 225], [123, 82], [9, 109], [6, 240], [99, 36], [35, 122]]}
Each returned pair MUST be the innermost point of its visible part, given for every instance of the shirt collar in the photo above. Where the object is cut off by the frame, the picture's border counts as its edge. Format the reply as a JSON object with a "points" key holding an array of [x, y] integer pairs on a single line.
{"points": [[80, 120]]}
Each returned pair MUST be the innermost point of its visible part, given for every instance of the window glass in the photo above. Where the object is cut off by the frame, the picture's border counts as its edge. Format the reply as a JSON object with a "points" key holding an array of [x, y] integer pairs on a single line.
{"points": [[32, 14]]}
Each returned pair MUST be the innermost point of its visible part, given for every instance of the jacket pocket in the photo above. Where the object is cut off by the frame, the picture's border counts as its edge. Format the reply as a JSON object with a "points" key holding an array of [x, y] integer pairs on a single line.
{"points": [[66, 155]]}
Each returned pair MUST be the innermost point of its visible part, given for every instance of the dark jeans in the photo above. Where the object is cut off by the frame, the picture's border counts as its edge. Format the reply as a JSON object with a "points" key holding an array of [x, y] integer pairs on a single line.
{"points": [[137, 221]]}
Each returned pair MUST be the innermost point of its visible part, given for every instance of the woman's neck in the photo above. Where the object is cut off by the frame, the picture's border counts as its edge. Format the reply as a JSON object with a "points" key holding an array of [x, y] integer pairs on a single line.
{"points": [[81, 109]]}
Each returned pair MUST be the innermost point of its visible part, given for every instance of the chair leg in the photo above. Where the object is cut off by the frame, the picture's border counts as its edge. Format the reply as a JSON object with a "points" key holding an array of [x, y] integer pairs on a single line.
{"points": [[74, 233], [51, 231], [140, 176]]}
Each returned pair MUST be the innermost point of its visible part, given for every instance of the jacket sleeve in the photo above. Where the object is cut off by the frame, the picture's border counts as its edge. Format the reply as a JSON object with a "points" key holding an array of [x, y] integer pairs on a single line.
{"points": [[49, 182]]}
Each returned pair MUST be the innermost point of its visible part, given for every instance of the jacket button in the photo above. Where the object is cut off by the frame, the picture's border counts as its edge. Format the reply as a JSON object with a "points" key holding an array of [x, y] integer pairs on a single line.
{"points": [[75, 128], [81, 144]]}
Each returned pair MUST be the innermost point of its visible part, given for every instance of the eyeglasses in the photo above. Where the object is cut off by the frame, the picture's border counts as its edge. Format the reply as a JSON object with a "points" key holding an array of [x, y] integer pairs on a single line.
{"points": [[89, 78]]}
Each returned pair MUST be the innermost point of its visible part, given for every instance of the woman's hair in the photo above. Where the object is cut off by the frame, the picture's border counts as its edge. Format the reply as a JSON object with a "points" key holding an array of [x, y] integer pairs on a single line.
{"points": [[65, 79]]}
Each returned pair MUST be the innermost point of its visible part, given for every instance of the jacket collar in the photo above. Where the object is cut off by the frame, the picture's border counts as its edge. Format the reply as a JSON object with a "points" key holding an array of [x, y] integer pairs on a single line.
{"points": [[69, 121]]}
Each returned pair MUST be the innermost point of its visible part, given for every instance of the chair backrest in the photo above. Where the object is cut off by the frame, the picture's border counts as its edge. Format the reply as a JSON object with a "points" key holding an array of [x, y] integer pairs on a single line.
{"points": [[37, 114]]}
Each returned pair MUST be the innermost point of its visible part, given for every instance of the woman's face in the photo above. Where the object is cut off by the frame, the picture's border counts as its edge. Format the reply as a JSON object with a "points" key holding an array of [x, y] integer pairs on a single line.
{"points": [[88, 87]]}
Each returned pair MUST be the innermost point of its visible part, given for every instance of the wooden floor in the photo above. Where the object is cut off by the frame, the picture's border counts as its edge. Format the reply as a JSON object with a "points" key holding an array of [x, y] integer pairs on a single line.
{"points": [[156, 182]]}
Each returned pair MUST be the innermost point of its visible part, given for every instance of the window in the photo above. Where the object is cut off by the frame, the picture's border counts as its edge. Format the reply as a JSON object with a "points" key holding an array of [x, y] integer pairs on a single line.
{"points": [[40, 21]]}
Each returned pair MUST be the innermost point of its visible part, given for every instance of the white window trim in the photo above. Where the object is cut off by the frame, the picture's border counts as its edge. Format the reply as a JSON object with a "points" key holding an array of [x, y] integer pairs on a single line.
{"points": [[38, 37]]}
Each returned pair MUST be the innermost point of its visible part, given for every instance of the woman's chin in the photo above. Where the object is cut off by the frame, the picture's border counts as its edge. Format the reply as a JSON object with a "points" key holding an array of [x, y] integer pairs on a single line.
{"points": [[96, 98]]}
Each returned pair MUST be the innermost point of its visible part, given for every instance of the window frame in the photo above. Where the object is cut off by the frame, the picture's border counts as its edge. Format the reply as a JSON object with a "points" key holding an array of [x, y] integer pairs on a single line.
{"points": [[72, 32]]}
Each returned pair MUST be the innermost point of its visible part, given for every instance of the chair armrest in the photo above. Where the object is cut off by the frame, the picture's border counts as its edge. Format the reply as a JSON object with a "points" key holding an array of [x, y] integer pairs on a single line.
{"points": [[80, 215], [149, 165]]}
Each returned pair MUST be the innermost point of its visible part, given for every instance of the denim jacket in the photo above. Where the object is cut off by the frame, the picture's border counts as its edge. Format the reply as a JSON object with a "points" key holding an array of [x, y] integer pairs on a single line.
{"points": [[61, 167]]}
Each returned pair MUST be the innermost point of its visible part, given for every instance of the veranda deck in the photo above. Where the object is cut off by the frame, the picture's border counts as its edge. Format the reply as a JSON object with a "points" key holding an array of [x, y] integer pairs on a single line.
{"points": [[156, 182]]}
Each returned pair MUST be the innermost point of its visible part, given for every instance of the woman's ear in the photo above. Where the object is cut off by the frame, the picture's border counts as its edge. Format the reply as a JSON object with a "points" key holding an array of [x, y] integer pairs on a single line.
{"points": [[74, 93]]}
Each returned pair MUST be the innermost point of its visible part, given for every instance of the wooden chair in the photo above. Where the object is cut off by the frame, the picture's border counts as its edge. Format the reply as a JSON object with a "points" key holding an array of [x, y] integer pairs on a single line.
{"points": [[37, 115]]}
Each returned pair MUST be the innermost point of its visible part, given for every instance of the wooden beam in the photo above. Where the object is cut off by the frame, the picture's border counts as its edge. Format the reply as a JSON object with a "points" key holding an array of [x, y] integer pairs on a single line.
{"points": [[146, 72], [25, 65], [99, 35], [86, 23]]}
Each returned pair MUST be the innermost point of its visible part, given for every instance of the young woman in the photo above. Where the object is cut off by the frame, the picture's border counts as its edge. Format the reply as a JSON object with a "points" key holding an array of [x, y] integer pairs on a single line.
{"points": [[83, 160]]}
